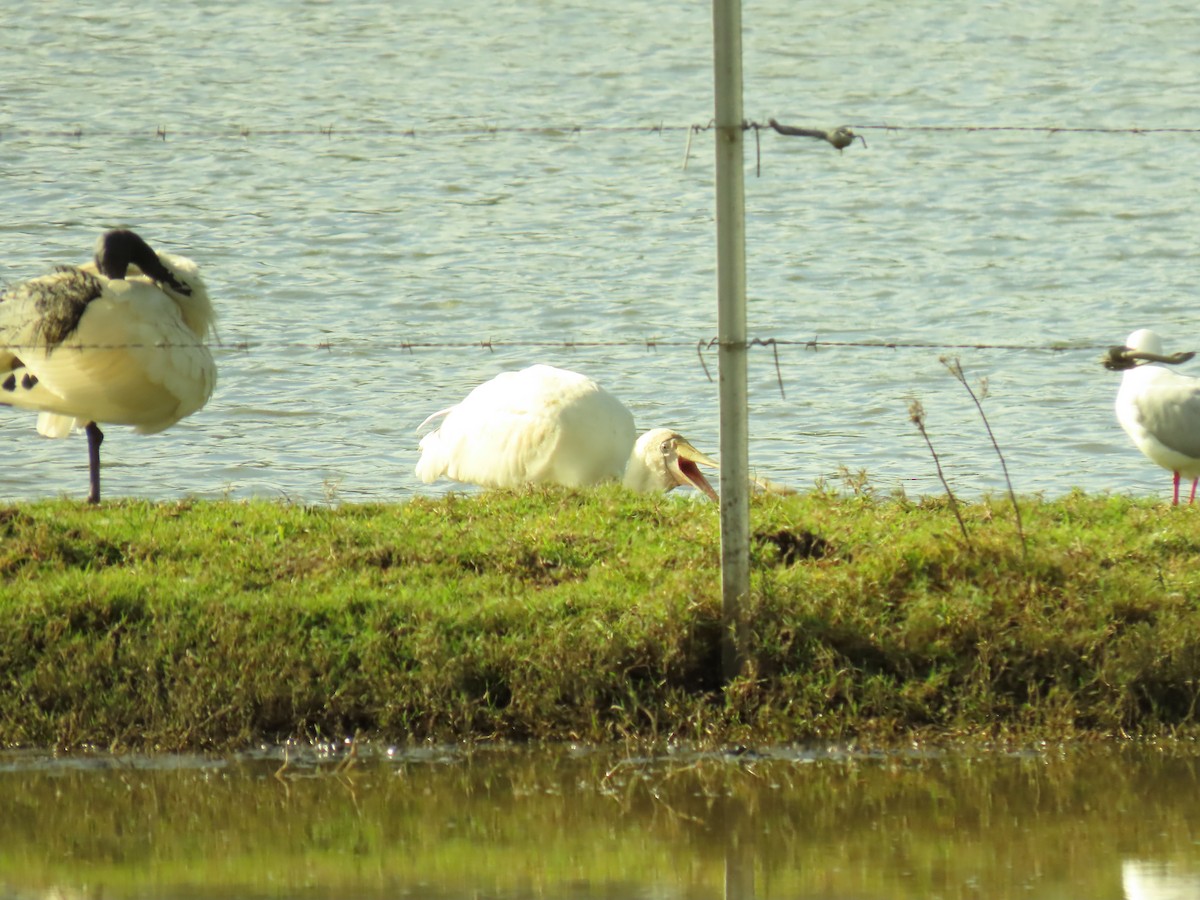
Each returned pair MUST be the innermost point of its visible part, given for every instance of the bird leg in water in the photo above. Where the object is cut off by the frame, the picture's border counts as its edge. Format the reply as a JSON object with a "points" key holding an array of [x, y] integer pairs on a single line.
{"points": [[95, 438]]}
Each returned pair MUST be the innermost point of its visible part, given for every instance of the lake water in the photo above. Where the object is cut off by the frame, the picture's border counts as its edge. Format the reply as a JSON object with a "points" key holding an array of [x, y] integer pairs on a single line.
{"points": [[375, 189], [1061, 824]]}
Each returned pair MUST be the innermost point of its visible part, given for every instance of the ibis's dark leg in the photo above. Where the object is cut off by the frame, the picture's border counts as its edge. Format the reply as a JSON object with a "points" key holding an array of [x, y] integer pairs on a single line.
{"points": [[95, 439]]}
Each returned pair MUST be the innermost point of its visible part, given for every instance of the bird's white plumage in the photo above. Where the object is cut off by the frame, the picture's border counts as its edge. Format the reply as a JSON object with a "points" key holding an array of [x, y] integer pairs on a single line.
{"points": [[541, 425], [119, 340], [1160, 410], [545, 425], [136, 356]]}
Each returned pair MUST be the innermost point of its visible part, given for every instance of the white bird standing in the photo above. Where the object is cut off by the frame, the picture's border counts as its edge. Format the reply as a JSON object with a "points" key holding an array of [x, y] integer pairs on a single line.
{"points": [[1158, 408], [544, 425], [118, 340]]}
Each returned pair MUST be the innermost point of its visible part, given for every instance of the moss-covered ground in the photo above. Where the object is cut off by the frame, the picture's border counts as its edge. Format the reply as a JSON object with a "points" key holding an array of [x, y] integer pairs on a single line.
{"points": [[555, 615]]}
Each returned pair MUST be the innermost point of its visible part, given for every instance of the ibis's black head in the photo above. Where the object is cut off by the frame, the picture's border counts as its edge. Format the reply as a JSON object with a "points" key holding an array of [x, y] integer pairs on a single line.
{"points": [[118, 249]]}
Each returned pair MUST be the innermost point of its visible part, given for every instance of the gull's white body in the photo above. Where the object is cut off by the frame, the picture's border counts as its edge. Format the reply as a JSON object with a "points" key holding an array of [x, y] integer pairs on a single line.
{"points": [[544, 425], [1160, 410]]}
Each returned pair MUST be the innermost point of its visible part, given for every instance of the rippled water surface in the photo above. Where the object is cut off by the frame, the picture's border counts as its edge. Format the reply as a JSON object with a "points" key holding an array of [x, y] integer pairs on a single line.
{"points": [[1102, 824], [359, 180]]}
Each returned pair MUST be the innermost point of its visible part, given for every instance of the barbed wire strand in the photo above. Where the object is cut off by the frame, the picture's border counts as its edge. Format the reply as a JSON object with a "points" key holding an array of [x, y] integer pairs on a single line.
{"points": [[492, 344], [328, 131], [701, 346], [1048, 129], [164, 133]]}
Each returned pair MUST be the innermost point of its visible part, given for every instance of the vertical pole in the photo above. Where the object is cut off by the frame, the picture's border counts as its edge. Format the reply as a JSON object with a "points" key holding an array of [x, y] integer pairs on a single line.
{"points": [[731, 329]]}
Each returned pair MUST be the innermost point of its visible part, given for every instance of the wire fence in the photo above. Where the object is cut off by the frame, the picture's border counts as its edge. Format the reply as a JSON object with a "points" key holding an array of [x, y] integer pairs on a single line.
{"points": [[700, 346], [840, 138], [238, 131]]}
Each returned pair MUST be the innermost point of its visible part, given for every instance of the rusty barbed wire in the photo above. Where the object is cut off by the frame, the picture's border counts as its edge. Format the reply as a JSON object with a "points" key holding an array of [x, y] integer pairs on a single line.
{"points": [[492, 344], [164, 133], [700, 347], [1047, 129], [839, 137]]}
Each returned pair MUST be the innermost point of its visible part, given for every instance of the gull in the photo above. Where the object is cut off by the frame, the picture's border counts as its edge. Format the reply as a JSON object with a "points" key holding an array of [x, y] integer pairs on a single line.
{"points": [[1159, 409]]}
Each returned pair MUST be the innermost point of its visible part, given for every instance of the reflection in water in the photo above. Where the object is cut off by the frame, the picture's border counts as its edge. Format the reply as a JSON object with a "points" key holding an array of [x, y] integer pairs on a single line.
{"points": [[1145, 880], [504, 823]]}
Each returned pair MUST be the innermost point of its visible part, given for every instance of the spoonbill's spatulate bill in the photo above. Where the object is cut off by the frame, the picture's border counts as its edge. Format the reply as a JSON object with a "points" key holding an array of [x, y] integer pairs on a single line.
{"points": [[119, 340], [544, 425], [1158, 408]]}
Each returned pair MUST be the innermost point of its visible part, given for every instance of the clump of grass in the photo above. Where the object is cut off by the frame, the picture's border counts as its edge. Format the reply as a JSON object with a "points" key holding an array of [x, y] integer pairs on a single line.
{"points": [[556, 615]]}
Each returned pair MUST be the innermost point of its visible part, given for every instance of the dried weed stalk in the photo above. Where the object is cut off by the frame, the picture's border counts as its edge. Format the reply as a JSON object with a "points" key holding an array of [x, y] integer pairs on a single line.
{"points": [[916, 412], [956, 370]]}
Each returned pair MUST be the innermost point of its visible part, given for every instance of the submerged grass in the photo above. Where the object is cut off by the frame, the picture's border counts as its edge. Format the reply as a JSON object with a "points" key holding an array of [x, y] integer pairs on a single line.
{"points": [[595, 617]]}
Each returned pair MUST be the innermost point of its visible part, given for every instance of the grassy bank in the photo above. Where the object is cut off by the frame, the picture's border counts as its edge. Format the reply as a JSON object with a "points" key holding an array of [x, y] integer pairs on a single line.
{"points": [[595, 617]]}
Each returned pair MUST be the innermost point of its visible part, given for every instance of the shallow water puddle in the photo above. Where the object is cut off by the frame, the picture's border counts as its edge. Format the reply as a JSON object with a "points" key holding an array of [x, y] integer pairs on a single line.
{"points": [[509, 823]]}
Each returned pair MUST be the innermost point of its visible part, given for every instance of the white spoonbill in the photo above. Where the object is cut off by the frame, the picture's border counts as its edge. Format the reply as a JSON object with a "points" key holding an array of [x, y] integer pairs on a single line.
{"points": [[544, 425], [1158, 408], [118, 340]]}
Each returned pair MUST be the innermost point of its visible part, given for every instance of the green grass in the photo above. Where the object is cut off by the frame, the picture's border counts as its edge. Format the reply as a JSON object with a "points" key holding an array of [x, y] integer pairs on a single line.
{"points": [[593, 616]]}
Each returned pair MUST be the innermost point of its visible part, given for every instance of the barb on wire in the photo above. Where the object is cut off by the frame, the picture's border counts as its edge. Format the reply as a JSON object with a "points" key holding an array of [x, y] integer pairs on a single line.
{"points": [[692, 131], [701, 346], [774, 345]]}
